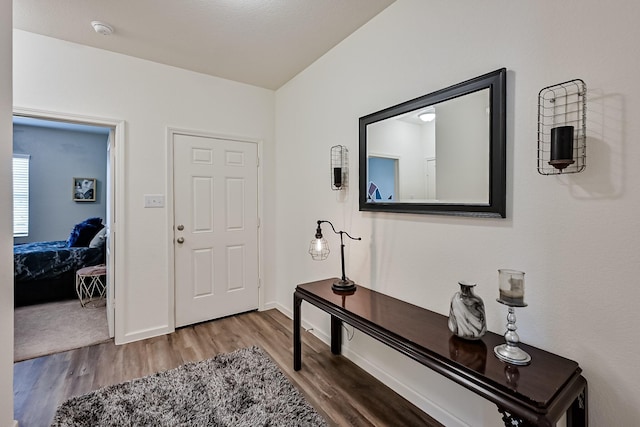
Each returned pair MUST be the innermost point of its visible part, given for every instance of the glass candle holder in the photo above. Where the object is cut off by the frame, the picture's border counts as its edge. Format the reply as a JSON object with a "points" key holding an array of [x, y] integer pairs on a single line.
{"points": [[512, 295], [511, 287]]}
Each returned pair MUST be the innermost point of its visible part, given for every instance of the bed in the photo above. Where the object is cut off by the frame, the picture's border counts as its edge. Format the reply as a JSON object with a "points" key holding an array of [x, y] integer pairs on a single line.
{"points": [[45, 271]]}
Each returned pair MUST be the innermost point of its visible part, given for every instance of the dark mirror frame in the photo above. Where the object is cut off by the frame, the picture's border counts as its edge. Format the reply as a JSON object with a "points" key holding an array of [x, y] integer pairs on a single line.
{"points": [[496, 81]]}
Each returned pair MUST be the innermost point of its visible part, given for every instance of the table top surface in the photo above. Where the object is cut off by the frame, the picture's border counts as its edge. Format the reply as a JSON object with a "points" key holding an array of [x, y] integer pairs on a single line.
{"points": [[536, 383]]}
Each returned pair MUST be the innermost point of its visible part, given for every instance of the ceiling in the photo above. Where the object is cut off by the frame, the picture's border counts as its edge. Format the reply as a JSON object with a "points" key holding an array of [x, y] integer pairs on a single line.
{"points": [[260, 42]]}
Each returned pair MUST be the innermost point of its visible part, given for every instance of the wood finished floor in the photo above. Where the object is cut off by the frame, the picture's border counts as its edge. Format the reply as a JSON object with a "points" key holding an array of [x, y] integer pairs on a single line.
{"points": [[338, 389]]}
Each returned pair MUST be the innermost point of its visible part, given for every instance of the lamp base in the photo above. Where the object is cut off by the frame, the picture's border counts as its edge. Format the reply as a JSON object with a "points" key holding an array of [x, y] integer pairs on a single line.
{"points": [[512, 354], [345, 285]]}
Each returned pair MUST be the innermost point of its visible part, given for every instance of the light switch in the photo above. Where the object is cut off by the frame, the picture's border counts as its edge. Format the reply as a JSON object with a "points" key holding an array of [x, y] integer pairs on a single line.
{"points": [[154, 200]]}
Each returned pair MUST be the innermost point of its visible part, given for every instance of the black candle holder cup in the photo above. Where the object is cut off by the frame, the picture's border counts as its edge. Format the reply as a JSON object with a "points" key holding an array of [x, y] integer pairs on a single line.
{"points": [[561, 147]]}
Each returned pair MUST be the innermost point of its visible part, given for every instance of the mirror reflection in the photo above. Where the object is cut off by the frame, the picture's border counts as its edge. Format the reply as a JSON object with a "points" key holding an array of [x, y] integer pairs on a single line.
{"points": [[439, 153]]}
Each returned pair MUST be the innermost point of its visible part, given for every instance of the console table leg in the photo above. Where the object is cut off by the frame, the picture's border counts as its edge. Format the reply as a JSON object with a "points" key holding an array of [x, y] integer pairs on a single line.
{"points": [[297, 342], [336, 335], [577, 415], [512, 420]]}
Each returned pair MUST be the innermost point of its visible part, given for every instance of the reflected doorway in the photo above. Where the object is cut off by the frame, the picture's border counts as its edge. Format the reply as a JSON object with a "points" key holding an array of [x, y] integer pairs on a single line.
{"points": [[383, 178]]}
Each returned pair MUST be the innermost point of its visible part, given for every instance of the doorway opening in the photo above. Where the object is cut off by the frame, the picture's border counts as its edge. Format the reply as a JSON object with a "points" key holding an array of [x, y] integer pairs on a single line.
{"points": [[86, 149], [383, 178]]}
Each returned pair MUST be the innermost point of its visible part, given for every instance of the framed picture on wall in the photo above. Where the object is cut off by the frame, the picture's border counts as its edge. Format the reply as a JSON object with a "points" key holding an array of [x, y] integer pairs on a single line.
{"points": [[84, 189]]}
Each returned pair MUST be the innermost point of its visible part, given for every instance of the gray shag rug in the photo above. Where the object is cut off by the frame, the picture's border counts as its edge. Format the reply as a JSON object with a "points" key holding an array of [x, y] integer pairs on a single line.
{"points": [[243, 388]]}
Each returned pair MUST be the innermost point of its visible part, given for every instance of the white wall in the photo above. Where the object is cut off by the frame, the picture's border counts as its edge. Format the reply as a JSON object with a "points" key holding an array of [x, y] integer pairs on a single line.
{"points": [[6, 218], [63, 77], [57, 156], [575, 236]]}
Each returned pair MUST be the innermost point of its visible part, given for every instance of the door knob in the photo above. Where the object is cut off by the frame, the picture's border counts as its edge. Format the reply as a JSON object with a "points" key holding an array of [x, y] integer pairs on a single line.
{"points": [[180, 240], [180, 227]]}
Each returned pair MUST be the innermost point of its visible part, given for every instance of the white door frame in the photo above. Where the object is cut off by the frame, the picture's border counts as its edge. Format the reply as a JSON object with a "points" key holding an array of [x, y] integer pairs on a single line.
{"points": [[171, 131], [116, 228]]}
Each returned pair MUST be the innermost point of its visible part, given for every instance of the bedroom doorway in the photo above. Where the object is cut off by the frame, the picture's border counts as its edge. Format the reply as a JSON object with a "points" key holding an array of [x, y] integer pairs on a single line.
{"points": [[112, 181]]}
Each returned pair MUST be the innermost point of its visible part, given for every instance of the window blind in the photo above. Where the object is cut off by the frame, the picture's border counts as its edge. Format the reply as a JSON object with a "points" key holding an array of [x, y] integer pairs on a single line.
{"points": [[20, 195]]}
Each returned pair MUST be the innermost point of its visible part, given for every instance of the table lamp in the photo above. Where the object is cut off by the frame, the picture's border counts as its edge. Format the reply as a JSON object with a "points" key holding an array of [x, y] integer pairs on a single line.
{"points": [[319, 250]]}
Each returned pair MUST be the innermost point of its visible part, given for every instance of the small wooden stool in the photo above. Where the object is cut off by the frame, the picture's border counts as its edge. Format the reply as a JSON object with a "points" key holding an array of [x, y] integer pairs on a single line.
{"points": [[90, 287]]}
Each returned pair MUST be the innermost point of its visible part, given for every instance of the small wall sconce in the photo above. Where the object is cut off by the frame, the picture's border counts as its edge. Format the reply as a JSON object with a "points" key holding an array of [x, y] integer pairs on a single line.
{"points": [[339, 167], [561, 128], [319, 251]]}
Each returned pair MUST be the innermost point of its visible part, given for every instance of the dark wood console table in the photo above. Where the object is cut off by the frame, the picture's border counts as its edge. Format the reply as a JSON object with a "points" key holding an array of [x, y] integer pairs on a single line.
{"points": [[534, 395]]}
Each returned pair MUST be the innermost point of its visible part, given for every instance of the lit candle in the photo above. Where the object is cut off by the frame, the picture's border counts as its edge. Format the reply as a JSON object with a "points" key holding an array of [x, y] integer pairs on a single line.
{"points": [[511, 287]]}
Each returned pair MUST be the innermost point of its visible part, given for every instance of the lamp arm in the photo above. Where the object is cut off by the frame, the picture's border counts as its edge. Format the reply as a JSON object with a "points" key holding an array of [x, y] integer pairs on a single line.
{"points": [[321, 221], [337, 232], [352, 238]]}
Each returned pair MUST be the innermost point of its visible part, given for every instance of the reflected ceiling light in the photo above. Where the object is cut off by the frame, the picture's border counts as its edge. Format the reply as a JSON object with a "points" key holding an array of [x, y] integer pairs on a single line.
{"points": [[102, 28], [427, 116]]}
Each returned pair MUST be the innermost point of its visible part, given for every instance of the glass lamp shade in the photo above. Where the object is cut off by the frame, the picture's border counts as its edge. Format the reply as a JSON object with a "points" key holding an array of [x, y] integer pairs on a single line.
{"points": [[319, 249]]}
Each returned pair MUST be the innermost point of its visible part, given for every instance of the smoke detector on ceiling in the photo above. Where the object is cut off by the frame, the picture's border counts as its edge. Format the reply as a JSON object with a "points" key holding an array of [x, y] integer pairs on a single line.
{"points": [[102, 28]]}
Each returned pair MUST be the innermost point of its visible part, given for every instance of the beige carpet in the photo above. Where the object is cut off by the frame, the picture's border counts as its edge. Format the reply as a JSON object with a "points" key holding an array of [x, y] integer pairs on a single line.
{"points": [[58, 326]]}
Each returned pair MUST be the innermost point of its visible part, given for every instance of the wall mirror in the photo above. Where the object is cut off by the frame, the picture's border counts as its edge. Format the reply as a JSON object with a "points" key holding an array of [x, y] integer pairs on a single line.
{"points": [[441, 153]]}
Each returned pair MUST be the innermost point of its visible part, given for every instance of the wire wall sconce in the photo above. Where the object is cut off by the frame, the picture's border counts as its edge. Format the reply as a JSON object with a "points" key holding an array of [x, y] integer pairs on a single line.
{"points": [[339, 167], [562, 128]]}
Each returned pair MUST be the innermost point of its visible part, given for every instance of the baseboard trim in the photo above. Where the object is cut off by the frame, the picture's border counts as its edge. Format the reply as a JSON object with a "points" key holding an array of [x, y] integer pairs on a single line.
{"points": [[383, 376], [404, 390], [269, 306], [284, 310]]}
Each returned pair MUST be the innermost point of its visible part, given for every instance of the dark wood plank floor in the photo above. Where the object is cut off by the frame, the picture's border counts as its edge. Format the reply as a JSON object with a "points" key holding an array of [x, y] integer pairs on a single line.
{"points": [[342, 392]]}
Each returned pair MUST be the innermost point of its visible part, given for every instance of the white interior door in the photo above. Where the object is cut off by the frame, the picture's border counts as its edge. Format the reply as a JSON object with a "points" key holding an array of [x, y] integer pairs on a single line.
{"points": [[216, 227], [111, 234]]}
